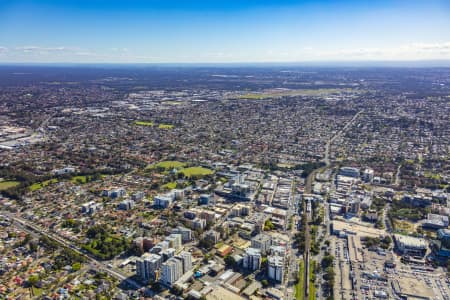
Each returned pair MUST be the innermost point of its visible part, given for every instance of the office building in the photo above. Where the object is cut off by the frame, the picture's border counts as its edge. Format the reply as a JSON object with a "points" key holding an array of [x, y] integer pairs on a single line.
{"points": [[252, 259], [435, 221], [410, 245], [262, 242], [147, 267], [175, 241], [162, 201], [186, 233], [171, 271], [349, 172], [367, 175], [186, 258], [275, 269]]}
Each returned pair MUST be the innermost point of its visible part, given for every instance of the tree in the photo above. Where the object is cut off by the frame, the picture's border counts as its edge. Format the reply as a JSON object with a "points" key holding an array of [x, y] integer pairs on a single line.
{"points": [[229, 261], [33, 280], [268, 225], [264, 262], [76, 266], [177, 290], [327, 261], [33, 246], [264, 282], [329, 273]]}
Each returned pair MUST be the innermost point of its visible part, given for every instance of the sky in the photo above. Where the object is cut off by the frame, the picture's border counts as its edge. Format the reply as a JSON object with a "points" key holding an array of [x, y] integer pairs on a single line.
{"points": [[223, 31]]}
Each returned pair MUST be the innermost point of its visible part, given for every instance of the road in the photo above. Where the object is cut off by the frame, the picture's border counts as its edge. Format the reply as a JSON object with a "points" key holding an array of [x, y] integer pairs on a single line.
{"points": [[307, 216], [34, 229], [326, 158], [292, 260], [397, 175], [308, 189]]}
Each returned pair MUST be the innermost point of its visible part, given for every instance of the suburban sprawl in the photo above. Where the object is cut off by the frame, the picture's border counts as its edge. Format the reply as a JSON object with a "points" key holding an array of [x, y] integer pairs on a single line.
{"points": [[183, 182]]}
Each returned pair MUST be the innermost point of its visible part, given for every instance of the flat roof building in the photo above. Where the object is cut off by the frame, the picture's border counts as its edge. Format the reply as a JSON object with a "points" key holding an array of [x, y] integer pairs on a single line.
{"points": [[410, 245]]}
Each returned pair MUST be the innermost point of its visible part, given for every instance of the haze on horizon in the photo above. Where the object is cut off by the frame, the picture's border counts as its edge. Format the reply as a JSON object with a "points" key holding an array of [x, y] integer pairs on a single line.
{"points": [[177, 31]]}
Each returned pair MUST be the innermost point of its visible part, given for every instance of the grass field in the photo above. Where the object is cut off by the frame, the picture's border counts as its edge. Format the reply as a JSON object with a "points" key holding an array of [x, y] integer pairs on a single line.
{"points": [[196, 171], [170, 185], [144, 123], [172, 102], [81, 178], [287, 93], [404, 226], [39, 185], [37, 291], [255, 96], [4, 185], [166, 126], [299, 287], [168, 165], [312, 287], [432, 175]]}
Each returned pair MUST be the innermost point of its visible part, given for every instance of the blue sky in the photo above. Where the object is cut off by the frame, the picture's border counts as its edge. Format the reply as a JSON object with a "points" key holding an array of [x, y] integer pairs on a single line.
{"points": [[155, 31]]}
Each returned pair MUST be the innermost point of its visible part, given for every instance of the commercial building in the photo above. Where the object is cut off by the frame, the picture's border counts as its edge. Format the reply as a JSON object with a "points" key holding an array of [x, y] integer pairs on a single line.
{"points": [[91, 207], [126, 204], [410, 245], [240, 210], [114, 193], [367, 175], [162, 201], [138, 196], [147, 267], [144, 243], [224, 250], [275, 269], [204, 199], [443, 243], [167, 253], [435, 221], [186, 259], [444, 236], [175, 241], [349, 172], [171, 271], [252, 259], [212, 236], [278, 250], [159, 247], [262, 242], [198, 223], [186, 233]]}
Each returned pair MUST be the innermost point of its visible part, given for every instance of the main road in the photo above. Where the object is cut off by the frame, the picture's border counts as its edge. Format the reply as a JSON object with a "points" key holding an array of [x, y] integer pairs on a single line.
{"points": [[308, 189], [326, 158]]}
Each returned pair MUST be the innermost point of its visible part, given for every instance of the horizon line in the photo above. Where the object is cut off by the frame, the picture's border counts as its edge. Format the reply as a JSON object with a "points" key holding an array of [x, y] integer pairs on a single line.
{"points": [[331, 63]]}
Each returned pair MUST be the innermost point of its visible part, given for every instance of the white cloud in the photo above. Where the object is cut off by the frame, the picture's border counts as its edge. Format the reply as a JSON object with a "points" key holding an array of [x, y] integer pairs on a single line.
{"points": [[413, 51], [33, 49]]}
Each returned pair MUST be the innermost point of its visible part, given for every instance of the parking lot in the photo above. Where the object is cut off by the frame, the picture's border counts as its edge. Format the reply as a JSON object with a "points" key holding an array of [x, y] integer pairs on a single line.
{"points": [[373, 280]]}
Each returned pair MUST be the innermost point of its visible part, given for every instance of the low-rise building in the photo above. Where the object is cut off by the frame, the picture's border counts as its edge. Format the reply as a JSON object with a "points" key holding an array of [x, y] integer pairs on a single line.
{"points": [[435, 221], [410, 245]]}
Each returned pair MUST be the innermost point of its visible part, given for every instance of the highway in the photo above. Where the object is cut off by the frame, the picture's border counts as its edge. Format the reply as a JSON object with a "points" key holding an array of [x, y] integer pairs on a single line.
{"points": [[35, 230]]}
